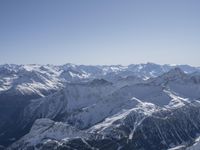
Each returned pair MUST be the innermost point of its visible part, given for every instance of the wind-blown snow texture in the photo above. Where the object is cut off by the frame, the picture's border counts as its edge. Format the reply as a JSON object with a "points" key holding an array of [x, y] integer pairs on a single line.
{"points": [[144, 106]]}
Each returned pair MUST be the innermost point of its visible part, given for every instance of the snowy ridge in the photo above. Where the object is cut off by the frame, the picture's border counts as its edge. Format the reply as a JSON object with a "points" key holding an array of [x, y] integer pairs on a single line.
{"points": [[144, 108], [29, 79], [46, 130], [195, 146]]}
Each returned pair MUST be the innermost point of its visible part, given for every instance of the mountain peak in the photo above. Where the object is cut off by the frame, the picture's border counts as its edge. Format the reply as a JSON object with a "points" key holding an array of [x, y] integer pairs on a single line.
{"points": [[175, 72]]}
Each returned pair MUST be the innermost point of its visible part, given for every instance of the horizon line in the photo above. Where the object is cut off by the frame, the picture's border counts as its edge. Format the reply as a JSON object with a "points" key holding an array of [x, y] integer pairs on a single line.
{"points": [[68, 63]]}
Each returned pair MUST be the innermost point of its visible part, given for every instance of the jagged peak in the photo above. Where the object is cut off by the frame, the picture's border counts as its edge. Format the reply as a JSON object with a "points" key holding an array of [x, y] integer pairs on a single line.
{"points": [[175, 72]]}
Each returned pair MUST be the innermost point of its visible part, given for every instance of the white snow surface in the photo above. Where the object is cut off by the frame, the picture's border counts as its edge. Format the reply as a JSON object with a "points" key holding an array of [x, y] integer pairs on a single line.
{"points": [[45, 130]]}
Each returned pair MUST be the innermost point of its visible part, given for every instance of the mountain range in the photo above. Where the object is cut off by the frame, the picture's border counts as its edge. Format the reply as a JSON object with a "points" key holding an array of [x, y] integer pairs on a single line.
{"points": [[139, 106]]}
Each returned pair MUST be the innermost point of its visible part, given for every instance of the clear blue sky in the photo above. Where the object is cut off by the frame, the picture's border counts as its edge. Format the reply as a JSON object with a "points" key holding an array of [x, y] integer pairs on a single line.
{"points": [[100, 31]]}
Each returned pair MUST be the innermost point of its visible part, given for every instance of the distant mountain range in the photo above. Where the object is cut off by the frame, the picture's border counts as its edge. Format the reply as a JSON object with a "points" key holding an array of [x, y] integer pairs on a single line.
{"points": [[139, 106]]}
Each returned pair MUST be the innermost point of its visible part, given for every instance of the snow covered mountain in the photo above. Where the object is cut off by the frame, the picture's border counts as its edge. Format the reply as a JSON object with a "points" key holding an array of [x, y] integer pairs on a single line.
{"points": [[28, 79], [45, 129], [145, 106]]}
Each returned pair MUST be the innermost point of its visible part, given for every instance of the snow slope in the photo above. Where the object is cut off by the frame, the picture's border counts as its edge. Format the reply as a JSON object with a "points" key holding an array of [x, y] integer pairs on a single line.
{"points": [[47, 131]]}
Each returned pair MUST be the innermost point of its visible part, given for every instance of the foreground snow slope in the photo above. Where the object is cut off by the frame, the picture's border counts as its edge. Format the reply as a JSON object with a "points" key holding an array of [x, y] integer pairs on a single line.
{"points": [[46, 131]]}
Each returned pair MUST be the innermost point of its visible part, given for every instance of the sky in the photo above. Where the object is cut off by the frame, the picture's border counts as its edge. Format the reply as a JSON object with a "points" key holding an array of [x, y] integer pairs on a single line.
{"points": [[102, 32]]}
